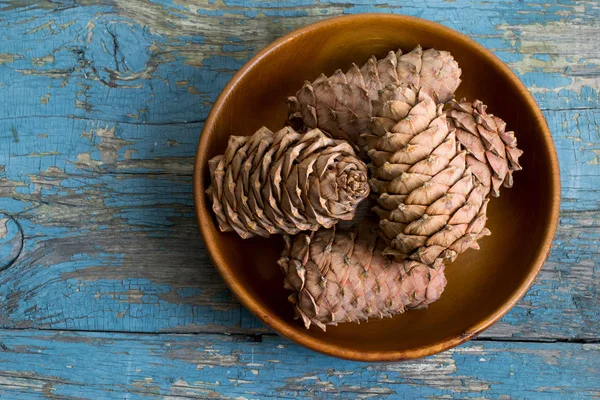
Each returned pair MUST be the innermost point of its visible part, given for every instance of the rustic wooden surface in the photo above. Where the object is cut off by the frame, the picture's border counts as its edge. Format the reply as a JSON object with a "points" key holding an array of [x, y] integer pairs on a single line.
{"points": [[106, 289]]}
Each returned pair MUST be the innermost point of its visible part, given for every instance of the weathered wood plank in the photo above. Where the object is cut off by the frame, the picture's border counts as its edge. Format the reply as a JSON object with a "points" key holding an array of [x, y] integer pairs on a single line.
{"points": [[111, 243], [102, 104], [147, 289], [576, 135], [136, 61], [102, 192], [39, 364]]}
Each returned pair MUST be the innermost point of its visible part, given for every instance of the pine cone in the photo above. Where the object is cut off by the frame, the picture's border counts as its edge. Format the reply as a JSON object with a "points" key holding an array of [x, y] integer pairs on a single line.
{"points": [[492, 152], [341, 104], [343, 277], [285, 182], [430, 203]]}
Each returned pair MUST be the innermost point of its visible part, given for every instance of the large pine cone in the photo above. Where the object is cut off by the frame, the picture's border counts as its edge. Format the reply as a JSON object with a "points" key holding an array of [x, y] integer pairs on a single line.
{"points": [[430, 203], [341, 104], [285, 182], [343, 277], [492, 152]]}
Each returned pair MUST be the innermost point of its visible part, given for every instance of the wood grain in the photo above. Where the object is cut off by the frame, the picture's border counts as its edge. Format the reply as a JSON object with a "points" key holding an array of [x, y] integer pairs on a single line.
{"points": [[148, 289], [101, 366], [97, 143], [103, 192]]}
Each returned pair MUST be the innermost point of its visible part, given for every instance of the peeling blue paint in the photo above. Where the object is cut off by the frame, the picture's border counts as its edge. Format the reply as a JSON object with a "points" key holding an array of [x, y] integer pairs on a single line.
{"points": [[209, 366], [101, 110]]}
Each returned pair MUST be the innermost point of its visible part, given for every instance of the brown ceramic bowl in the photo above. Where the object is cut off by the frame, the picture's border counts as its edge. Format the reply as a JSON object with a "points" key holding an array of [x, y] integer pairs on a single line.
{"points": [[482, 285]]}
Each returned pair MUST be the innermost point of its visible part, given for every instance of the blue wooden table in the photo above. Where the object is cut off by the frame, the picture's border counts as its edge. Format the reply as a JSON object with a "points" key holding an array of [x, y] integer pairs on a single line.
{"points": [[107, 290]]}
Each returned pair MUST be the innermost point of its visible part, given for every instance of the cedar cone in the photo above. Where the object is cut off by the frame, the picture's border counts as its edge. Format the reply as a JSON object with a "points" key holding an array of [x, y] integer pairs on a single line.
{"points": [[492, 152], [342, 276], [430, 203], [341, 106], [285, 182]]}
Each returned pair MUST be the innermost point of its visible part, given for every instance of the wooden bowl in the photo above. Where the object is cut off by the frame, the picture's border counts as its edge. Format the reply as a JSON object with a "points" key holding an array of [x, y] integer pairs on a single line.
{"points": [[482, 285]]}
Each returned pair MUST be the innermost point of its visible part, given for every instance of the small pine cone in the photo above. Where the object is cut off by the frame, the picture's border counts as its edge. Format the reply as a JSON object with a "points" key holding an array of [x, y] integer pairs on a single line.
{"points": [[341, 104], [492, 152], [430, 203], [343, 277], [285, 182]]}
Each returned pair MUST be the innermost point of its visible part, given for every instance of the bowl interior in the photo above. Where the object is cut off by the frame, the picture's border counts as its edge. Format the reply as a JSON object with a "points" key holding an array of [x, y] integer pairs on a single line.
{"points": [[482, 285]]}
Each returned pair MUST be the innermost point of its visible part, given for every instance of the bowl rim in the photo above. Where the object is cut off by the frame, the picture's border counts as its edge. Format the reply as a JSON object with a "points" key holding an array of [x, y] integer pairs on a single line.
{"points": [[282, 327]]}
